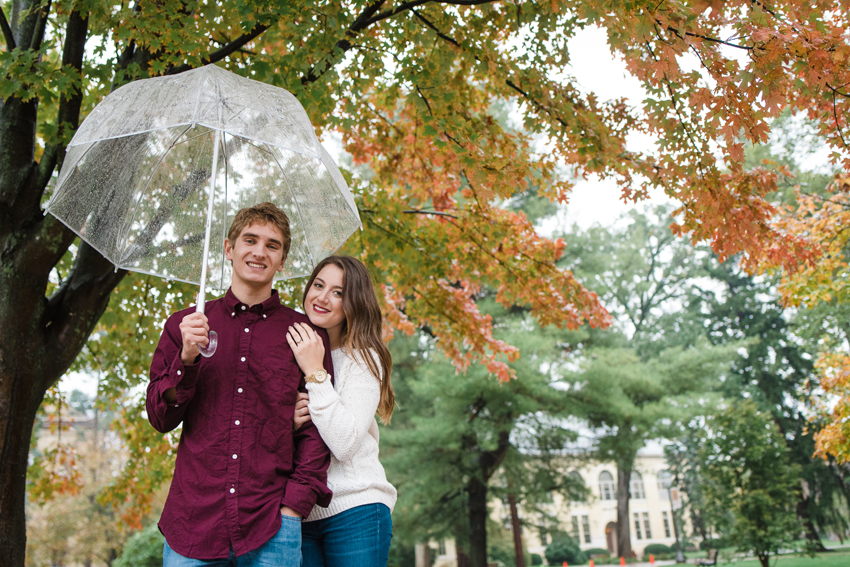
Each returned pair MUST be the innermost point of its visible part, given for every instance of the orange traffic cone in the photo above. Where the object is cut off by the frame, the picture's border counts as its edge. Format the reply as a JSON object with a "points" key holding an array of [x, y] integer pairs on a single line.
{"points": [[622, 561], [651, 559], [592, 564], [565, 564]]}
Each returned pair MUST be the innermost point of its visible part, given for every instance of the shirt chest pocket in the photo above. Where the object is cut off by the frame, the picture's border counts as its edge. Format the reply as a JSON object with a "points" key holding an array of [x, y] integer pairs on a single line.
{"points": [[280, 377]]}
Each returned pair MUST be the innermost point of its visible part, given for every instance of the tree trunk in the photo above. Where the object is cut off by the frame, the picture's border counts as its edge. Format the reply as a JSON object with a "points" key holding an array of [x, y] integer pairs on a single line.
{"points": [[624, 538], [477, 522], [487, 463], [764, 560], [517, 531], [462, 558], [812, 537], [39, 337]]}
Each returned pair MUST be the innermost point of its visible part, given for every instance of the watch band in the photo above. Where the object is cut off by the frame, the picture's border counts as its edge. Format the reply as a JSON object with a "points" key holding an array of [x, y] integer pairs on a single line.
{"points": [[317, 377]]}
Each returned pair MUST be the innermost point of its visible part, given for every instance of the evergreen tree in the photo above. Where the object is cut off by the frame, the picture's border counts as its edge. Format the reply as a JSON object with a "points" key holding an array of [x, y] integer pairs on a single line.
{"points": [[457, 441], [750, 484], [774, 370], [630, 390]]}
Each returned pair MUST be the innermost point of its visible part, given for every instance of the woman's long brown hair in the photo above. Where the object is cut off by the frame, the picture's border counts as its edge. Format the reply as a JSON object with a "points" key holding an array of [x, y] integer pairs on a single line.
{"points": [[361, 329]]}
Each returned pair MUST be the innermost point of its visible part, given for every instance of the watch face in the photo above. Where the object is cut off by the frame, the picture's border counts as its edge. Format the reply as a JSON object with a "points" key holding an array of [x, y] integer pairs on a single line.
{"points": [[318, 376]]}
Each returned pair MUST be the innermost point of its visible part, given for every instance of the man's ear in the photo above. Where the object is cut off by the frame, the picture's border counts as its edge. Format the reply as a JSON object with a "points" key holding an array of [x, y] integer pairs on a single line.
{"points": [[282, 262], [228, 250]]}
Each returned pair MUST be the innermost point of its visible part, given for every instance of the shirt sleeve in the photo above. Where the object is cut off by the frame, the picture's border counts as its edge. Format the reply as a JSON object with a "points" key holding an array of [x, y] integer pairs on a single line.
{"points": [[168, 371], [308, 483], [343, 418]]}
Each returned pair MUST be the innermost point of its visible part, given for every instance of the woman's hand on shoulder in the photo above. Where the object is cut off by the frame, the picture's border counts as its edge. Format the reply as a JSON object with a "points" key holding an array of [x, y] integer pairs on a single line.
{"points": [[302, 412], [307, 346]]}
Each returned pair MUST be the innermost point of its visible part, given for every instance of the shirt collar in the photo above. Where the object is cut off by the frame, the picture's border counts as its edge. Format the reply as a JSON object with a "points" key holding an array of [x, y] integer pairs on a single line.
{"points": [[268, 306]]}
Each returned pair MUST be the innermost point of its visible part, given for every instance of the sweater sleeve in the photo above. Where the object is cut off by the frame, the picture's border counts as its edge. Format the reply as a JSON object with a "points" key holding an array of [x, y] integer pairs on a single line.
{"points": [[343, 418]]}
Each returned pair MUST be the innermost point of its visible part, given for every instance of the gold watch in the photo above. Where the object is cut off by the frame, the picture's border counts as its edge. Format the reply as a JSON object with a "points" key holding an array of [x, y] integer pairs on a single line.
{"points": [[317, 377]]}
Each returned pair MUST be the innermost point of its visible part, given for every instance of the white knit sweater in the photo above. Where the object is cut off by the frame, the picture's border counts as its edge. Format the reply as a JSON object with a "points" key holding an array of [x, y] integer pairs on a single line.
{"points": [[344, 414]]}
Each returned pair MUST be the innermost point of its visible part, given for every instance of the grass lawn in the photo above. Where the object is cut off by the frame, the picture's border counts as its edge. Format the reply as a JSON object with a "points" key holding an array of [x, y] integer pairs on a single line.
{"points": [[833, 559]]}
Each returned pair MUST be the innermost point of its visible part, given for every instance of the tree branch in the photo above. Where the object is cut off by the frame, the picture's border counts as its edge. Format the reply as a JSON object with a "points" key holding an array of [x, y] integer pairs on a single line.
{"points": [[835, 115], [220, 54], [416, 212], [75, 308], [7, 31], [40, 27], [700, 36], [370, 16], [68, 117], [360, 23], [413, 4]]}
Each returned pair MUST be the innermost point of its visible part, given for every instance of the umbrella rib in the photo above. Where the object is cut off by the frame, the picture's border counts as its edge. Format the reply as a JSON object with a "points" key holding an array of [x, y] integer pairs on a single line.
{"points": [[126, 229], [224, 226], [201, 77], [297, 208]]}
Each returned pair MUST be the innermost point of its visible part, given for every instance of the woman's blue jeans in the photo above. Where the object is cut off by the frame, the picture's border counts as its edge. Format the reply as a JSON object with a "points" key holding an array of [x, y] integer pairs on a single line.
{"points": [[358, 537]]}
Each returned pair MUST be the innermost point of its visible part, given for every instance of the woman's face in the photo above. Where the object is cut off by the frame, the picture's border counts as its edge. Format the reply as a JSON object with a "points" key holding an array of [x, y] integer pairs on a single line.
{"points": [[323, 304]]}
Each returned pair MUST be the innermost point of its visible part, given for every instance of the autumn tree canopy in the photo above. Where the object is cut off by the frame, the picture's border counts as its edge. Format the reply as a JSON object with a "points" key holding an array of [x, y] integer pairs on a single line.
{"points": [[408, 86]]}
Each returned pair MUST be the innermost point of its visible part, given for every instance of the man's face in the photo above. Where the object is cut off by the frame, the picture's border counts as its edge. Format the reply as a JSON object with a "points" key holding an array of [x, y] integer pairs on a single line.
{"points": [[257, 254]]}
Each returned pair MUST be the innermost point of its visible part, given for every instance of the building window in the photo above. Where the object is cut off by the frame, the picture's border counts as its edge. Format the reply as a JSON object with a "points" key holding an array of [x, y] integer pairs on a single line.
{"points": [[441, 547], [585, 526], [664, 480], [575, 528], [646, 529], [666, 524], [636, 486], [607, 489], [637, 526], [544, 537]]}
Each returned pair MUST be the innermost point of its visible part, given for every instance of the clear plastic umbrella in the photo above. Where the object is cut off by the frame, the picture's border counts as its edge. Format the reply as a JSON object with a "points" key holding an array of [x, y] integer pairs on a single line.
{"points": [[156, 172]]}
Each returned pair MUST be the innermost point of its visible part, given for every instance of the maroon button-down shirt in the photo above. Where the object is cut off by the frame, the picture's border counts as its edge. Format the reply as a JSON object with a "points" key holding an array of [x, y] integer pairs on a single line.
{"points": [[238, 460]]}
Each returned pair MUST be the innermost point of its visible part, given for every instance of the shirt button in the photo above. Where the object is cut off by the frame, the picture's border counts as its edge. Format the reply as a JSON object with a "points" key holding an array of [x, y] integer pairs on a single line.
{"points": [[178, 373], [234, 456], [232, 490], [237, 422], [264, 315], [233, 314], [243, 359], [243, 308], [239, 390], [246, 329]]}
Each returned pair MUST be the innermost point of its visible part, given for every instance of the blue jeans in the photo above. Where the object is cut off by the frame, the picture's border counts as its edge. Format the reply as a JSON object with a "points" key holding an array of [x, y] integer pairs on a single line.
{"points": [[283, 550], [358, 537]]}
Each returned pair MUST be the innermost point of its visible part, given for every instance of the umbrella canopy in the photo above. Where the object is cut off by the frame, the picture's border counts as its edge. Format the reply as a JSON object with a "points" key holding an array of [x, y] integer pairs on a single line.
{"points": [[139, 180]]}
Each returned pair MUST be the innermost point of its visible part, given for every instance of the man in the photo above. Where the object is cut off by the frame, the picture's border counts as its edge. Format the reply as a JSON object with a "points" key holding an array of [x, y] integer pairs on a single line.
{"points": [[243, 480]]}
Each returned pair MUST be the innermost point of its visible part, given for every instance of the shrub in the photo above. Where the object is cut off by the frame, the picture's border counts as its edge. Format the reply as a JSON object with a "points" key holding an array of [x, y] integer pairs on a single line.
{"points": [[614, 560], [504, 556], [597, 552], [536, 559], [656, 549], [564, 548], [712, 543], [143, 549]]}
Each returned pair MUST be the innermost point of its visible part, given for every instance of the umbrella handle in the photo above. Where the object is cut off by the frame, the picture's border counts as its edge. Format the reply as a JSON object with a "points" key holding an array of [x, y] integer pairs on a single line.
{"points": [[208, 350]]}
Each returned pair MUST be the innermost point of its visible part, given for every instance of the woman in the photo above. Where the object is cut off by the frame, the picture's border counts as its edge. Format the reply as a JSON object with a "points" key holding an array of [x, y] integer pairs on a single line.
{"points": [[355, 530]]}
